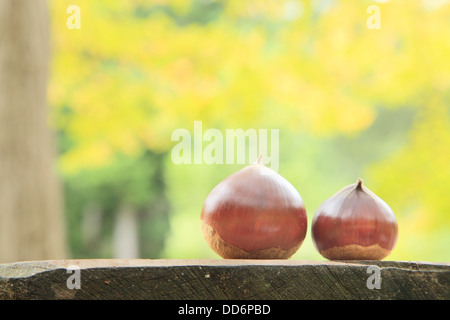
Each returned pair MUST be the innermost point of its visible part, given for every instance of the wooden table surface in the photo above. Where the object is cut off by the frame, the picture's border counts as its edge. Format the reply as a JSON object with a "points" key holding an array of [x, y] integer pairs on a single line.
{"points": [[224, 280]]}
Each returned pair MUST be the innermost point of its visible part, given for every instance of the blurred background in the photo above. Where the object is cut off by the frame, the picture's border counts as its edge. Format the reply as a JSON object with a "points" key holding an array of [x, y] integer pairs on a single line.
{"points": [[85, 157]]}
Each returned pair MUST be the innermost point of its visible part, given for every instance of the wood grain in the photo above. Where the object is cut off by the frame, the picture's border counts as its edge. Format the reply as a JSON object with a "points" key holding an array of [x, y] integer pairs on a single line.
{"points": [[223, 279]]}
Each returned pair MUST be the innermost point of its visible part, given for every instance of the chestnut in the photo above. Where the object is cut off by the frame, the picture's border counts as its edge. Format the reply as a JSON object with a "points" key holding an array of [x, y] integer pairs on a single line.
{"points": [[354, 224], [254, 214]]}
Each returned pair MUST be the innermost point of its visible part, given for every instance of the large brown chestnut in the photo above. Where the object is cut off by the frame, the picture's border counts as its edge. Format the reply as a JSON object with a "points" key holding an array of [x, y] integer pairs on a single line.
{"points": [[354, 224], [254, 214]]}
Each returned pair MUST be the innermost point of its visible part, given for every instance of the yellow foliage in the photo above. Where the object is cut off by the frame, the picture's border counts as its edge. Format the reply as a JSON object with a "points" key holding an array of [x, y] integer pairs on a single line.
{"points": [[137, 70]]}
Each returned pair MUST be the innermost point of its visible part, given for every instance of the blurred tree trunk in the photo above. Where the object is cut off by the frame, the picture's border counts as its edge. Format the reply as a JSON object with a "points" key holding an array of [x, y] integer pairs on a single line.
{"points": [[31, 217], [126, 236]]}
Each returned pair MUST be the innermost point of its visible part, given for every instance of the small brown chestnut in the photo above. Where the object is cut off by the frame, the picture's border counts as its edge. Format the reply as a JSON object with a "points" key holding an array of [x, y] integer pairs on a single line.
{"points": [[254, 214], [354, 224]]}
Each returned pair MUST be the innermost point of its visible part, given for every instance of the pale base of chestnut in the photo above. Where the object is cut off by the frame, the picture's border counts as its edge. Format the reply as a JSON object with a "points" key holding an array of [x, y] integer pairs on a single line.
{"points": [[356, 252], [228, 251]]}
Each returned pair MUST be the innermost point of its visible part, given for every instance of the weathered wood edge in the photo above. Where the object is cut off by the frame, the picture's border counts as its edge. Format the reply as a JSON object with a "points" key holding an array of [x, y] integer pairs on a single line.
{"points": [[223, 279], [30, 268]]}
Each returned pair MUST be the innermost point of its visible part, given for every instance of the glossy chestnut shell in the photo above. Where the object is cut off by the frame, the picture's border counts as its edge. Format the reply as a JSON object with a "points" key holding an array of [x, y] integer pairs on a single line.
{"points": [[354, 224], [254, 214]]}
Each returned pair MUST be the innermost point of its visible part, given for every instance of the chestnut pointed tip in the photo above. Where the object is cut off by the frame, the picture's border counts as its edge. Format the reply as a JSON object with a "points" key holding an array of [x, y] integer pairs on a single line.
{"points": [[359, 183], [259, 160]]}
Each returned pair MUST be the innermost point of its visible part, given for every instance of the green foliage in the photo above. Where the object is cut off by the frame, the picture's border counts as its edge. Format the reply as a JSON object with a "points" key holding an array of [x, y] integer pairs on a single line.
{"points": [[134, 182]]}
